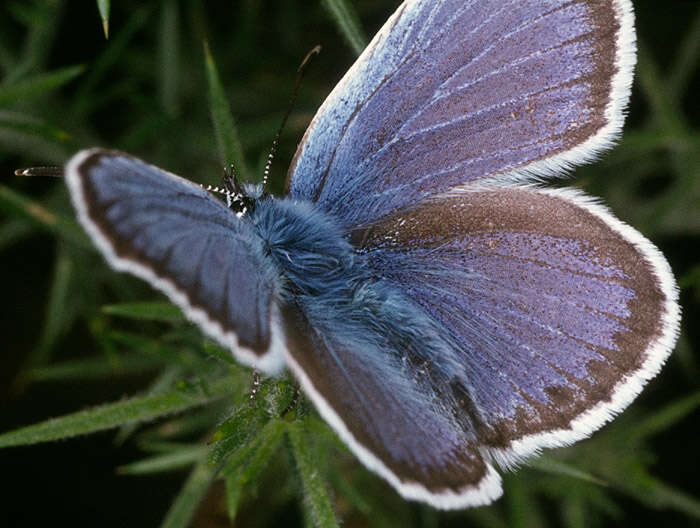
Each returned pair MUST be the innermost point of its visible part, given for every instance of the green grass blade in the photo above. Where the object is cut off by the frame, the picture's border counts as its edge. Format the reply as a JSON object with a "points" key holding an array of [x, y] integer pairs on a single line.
{"points": [[234, 493], [356, 498], [40, 20], [227, 138], [670, 497], [667, 417], [665, 108], [86, 98], [348, 23], [141, 343], [185, 505], [95, 368], [265, 446], [163, 383], [222, 354], [103, 7], [169, 56], [174, 461], [555, 467], [59, 312], [12, 231], [37, 86], [233, 440], [19, 126], [659, 495], [241, 470], [16, 204], [317, 503], [523, 510], [691, 278], [113, 415], [146, 311], [686, 61]]}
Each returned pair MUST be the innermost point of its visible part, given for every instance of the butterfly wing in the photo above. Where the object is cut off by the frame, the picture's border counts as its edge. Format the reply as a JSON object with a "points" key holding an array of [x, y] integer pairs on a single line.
{"points": [[504, 320], [185, 243], [452, 91], [559, 312], [547, 315], [399, 425]]}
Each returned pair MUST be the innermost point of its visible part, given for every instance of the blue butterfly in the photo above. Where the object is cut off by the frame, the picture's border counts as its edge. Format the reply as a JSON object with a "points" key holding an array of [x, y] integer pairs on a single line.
{"points": [[441, 310]]}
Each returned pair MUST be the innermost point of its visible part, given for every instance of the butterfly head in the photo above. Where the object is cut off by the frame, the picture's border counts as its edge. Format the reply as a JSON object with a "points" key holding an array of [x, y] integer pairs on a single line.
{"points": [[240, 196]]}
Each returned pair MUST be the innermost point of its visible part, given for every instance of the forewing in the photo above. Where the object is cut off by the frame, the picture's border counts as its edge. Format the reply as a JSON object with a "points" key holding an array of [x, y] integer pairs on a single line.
{"points": [[559, 313], [453, 91], [184, 242]]}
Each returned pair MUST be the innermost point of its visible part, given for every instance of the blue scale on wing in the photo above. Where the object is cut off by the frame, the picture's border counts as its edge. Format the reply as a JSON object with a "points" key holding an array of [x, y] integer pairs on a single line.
{"points": [[517, 89], [187, 237], [547, 306]]}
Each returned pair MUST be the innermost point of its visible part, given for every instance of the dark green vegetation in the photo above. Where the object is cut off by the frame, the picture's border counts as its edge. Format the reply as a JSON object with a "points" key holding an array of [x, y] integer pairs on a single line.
{"points": [[179, 431]]}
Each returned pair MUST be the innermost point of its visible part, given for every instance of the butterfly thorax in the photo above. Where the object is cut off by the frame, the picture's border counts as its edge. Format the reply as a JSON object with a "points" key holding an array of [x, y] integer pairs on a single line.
{"points": [[307, 246]]}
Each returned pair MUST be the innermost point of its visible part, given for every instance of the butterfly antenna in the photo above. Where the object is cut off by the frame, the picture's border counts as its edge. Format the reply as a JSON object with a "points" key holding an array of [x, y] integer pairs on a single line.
{"points": [[233, 191], [54, 172], [228, 187], [300, 75], [220, 190]]}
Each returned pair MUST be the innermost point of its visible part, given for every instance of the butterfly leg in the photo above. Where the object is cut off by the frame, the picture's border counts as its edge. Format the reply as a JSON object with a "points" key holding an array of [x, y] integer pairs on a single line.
{"points": [[254, 388], [292, 403]]}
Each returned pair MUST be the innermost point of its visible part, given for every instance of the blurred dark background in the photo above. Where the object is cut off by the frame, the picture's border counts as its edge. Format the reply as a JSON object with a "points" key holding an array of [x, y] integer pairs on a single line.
{"points": [[144, 91]]}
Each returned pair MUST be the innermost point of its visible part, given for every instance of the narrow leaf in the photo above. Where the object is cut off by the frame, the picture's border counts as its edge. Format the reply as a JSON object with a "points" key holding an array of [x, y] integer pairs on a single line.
{"points": [[179, 459], [86, 98], [185, 506], [265, 446], [555, 467], [19, 205], [316, 500], [234, 492], [12, 231], [164, 382], [234, 436], [95, 368], [148, 311], [667, 417], [113, 415], [523, 510], [240, 472], [59, 314], [103, 7], [686, 61], [169, 56], [18, 125], [657, 494], [227, 138], [38, 43], [676, 499], [219, 353], [38, 85], [348, 23]]}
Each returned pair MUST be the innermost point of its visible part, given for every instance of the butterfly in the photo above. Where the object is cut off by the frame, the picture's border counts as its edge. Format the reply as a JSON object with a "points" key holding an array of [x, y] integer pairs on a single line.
{"points": [[443, 310]]}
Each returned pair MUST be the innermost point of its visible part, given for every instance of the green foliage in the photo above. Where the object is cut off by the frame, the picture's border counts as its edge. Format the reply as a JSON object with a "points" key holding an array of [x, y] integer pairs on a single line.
{"points": [[103, 7], [230, 150], [78, 335], [345, 17]]}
